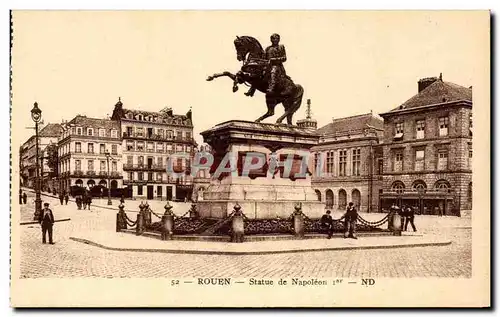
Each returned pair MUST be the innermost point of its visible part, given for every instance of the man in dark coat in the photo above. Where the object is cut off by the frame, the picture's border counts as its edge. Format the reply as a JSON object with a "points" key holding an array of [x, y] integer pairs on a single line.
{"points": [[20, 197], [46, 220], [66, 197], [327, 223], [25, 198], [61, 198], [409, 218], [351, 216]]}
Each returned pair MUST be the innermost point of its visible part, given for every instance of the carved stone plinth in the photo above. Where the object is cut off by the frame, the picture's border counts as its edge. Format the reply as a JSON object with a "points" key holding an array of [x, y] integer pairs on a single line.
{"points": [[265, 192]]}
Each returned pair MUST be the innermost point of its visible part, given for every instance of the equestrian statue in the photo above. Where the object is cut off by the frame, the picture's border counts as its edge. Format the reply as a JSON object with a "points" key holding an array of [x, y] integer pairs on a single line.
{"points": [[264, 71]]}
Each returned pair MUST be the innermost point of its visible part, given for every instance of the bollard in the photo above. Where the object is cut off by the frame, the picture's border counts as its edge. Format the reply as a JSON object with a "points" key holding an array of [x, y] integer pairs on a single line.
{"points": [[298, 221], [121, 218], [396, 224], [168, 223], [140, 224], [147, 214], [118, 222], [238, 225]]}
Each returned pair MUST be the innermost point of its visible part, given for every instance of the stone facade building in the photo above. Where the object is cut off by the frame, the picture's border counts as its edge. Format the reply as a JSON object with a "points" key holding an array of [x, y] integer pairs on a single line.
{"points": [[427, 149], [83, 161], [149, 140], [47, 135], [348, 157]]}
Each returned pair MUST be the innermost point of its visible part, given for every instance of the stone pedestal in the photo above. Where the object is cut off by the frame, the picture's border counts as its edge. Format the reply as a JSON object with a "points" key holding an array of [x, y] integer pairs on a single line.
{"points": [[262, 194]]}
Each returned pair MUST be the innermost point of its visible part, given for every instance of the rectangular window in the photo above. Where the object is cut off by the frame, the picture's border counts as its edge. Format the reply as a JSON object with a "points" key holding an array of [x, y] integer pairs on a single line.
{"points": [[356, 162], [140, 160], [131, 176], [179, 148], [342, 163], [79, 131], [419, 160], [188, 135], [139, 189], [443, 126], [78, 165], [130, 145], [140, 176], [130, 160], [90, 165], [114, 133], [169, 148], [159, 177], [160, 161], [102, 148], [78, 147], [398, 161], [150, 176], [90, 148], [102, 132], [398, 130], [188, 148], [130, 131], [420, 129], [316, 160], [329, 162], [151, 146], [139, 132], [114, 166], [442, 160], [470, 158], [90, 132], [73, 130], [161, 133], [170, 134], [103, 166], [114, 149], [140, 146]]}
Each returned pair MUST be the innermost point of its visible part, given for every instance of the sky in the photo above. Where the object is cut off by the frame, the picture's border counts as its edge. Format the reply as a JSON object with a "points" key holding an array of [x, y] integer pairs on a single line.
{"points": [[349, 63]]}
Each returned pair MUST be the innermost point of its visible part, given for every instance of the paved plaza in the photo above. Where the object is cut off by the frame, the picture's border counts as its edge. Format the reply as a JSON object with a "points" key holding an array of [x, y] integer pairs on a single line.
{"points": [[68, 258]]}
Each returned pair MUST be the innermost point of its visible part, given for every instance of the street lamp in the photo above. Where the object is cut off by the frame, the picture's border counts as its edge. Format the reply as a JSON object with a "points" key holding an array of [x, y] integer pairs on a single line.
{"points": [[108, 156], [36, 116]]}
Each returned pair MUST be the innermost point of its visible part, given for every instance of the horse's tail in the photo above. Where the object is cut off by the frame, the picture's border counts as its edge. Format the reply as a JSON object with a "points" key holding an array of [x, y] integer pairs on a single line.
{"points": [[297, 98]]}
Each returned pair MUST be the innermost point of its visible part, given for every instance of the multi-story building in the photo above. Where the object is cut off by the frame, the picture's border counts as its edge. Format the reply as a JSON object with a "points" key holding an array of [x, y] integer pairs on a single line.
{"points": [[348, 155], [427, 149], [201, 180], [149, 140], [27, 155], [83, 161]]}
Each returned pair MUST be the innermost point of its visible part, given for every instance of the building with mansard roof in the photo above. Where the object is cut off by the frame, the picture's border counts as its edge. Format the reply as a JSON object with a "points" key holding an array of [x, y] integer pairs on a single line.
{"points": [[347, 162], [149, 139], [90, 156], [427, 149]]}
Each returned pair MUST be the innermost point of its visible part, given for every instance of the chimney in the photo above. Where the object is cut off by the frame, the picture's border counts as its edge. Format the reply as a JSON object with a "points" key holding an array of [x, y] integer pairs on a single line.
{"points": [[426, 82]]}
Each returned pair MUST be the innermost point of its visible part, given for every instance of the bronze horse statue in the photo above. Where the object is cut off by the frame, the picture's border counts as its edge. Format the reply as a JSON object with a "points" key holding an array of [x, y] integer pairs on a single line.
{"points": [[254, 72]]}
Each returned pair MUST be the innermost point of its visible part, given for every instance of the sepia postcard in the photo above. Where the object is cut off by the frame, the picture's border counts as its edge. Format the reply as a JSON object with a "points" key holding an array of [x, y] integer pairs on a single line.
{"points": [[250, 159]]}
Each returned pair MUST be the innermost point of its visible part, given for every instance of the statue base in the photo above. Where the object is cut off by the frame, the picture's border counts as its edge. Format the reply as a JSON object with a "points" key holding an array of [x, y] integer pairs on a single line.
{"points": [[262, 194]]}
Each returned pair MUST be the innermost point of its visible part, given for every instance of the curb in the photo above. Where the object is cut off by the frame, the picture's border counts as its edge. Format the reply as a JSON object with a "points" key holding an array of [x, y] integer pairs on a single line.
{"points": [[36, 222], [203, 252]]}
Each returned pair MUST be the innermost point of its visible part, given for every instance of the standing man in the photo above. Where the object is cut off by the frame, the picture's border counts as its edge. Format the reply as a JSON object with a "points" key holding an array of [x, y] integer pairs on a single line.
{"points": [[20, 197], [66, 197], [46, 219], [351, 216], [410, 218], [61, 197], [276, 56], [25, 198]]}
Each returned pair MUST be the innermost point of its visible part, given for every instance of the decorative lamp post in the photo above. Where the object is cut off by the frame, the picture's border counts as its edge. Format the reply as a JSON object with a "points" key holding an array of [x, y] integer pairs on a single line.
{"points": [[108, 156], [36, 116]]}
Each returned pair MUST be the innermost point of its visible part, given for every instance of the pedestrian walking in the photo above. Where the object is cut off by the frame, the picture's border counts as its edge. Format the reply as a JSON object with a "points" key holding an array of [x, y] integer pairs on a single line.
{"points": [[410, 218], [122, 199], [20, 197], [25, 198], [66, 197], [327, 223], [61, 198], [89, 200], [84, 200], [350, 217], [78, 201], [46, 220]]}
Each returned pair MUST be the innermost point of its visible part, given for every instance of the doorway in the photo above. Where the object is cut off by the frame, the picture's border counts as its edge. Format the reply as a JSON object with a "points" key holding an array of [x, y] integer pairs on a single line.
{"points": [[159, 191], [150, 192], [169, 192]]}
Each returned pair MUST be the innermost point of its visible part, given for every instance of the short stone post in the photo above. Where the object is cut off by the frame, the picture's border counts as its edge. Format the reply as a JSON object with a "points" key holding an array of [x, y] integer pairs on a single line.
{"points": [[121, 222], [396, 224], [167, 220], [238, 225], [139, 230], [298, 221]]}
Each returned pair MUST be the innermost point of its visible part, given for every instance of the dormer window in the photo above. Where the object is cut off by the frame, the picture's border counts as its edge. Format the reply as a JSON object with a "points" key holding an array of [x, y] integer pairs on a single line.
{"points": [[398, 132], [79, 131], [102, 132], [114, 133], [420, 129], [90, 132]]}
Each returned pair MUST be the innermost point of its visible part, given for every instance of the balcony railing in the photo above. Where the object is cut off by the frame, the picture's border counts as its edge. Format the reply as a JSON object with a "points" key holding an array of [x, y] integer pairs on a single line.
{"points": [[157, 137], [145, 167], [416, 192], [91, 173]]}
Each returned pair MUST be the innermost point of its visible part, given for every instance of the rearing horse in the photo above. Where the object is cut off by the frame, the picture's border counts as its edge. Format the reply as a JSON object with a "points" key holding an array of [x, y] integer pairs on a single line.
{"points": [[255, 73]]}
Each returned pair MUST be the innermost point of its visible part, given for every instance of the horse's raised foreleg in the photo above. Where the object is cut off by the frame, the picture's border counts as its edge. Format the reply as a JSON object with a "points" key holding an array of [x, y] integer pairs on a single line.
{"points": [[271, 104], [223, 74]]}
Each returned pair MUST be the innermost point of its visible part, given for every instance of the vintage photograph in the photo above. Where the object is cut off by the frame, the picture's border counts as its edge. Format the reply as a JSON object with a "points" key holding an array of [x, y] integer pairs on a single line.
{"points": [[253, 155]]}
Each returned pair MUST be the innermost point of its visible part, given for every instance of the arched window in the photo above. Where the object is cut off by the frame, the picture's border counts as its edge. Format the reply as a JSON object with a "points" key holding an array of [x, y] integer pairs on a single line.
{"points": [[91, 183], [398, 187], [356, 198], [329, 198], [420, 186], [103, 183], [114, 184], [318, 193], [342, 199], [442, 185]]}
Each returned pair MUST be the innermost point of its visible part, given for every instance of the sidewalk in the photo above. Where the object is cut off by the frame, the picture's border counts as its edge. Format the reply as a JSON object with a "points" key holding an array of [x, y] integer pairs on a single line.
{"points": [[128, 242]]}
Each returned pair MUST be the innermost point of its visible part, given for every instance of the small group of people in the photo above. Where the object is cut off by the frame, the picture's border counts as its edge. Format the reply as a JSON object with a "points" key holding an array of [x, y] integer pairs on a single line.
{"points": [[83, 200], [407, 214], [350, 218], [63, 197], [23, 198]]}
